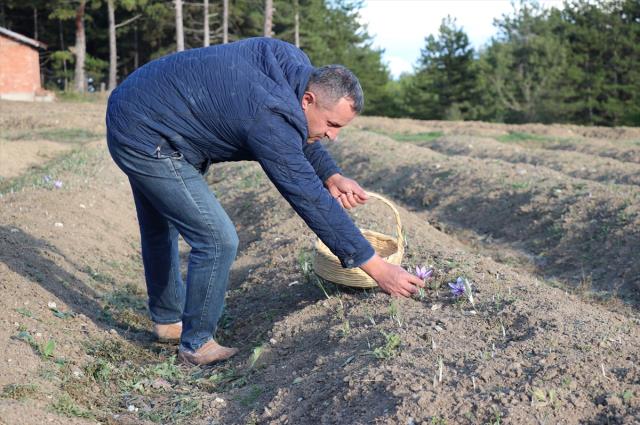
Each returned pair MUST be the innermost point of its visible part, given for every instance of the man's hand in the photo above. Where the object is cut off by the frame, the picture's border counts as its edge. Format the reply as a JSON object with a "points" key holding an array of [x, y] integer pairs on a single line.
{"points": [[346, 191], [394, 280]]}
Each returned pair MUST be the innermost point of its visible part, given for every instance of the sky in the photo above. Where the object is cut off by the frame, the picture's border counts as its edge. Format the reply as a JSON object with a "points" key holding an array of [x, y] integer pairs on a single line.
{"points": [[400, 26]]}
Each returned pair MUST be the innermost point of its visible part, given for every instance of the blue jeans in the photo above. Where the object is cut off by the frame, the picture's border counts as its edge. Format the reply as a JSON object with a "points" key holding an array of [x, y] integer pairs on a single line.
{"points": [[172, 198]]}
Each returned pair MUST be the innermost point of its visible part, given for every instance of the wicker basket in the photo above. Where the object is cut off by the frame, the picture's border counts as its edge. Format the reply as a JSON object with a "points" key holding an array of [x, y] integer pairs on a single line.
{"points": [[327, 266]]}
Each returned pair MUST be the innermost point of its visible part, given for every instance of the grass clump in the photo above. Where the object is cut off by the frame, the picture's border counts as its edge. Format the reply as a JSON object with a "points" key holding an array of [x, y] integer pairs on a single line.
{"points": [[390, 347], [19, 391], [177, 409], [44, 350], [66, 406]]}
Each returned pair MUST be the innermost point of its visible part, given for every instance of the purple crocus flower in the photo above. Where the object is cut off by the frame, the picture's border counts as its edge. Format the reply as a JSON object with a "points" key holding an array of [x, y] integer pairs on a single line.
{"points": [[46, 179], [58, 184], [424, 273], [457, 289]]}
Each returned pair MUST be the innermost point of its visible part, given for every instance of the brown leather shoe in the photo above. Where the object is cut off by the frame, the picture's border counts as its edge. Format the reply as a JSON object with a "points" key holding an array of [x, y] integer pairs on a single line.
{"points": [[168, 333], [209, 353]]}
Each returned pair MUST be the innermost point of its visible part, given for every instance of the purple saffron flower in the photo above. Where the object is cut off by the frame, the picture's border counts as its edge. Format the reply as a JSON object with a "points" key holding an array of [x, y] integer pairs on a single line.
{"points": [[424, 273], [58, 184], [457, 289], [46, 179]]}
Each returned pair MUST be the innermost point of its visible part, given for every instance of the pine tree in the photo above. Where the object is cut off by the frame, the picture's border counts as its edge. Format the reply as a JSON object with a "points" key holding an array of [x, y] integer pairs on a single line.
{"points": [[445, 84]]}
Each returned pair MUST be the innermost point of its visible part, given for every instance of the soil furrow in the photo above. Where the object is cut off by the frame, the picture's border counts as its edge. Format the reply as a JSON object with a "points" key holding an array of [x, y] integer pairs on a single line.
{"points": [[581, 232], [573, 164], [329, 343]]}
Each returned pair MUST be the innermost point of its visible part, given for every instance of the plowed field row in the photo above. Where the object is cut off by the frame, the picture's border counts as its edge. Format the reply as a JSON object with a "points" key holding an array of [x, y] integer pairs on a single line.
{"points": [[574, 164], [576, 230]]}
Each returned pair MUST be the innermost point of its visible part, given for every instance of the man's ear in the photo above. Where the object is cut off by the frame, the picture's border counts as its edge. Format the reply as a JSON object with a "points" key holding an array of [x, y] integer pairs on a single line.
{"points": [[308, 98]]}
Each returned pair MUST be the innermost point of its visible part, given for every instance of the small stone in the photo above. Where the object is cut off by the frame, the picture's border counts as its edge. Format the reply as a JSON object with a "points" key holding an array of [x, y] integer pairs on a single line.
{"points": [[58, 224], [14, 230], [219, 400], [83, 206], [132, 408], [51, 305], [273, 341], [113, 332]]}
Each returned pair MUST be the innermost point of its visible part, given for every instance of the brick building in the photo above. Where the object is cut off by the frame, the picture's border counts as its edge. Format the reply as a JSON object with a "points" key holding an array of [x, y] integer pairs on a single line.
{"points": [[20, 67]]}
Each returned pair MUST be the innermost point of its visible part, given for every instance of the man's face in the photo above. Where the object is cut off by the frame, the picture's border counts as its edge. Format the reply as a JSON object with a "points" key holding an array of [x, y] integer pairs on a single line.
{"points": [[325, 121]]}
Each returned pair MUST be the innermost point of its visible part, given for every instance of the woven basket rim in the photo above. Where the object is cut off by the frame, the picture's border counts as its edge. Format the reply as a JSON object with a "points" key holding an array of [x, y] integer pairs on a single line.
{"points": [[328, 267]]}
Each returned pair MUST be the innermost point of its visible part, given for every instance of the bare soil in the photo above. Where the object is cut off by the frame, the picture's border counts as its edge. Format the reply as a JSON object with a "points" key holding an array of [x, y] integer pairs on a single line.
{"points": [[550, 249]]}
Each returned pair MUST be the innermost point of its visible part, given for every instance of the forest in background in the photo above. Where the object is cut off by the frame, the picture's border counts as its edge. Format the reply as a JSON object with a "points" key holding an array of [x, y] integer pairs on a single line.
{"points": [[574, 64]]}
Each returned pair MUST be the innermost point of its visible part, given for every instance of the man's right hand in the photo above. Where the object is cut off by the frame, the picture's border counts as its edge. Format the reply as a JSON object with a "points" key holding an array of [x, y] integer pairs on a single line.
{"points": [[394, 280]]}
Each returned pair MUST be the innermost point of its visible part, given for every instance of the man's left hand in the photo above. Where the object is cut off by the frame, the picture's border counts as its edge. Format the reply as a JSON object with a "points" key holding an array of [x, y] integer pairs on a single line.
{"points": [[346, 191]]}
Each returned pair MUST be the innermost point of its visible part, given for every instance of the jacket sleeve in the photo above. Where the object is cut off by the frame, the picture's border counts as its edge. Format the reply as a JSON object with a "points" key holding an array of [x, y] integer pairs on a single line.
{"points": [[320, 160], [277, 146]]}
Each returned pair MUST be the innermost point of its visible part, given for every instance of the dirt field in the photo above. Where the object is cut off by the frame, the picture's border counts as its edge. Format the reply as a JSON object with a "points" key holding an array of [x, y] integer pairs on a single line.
{"points": [[542, 220]]}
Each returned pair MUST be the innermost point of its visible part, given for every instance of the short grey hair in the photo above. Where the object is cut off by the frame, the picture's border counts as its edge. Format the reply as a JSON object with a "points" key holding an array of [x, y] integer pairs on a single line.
{"points": [[333, 82]]}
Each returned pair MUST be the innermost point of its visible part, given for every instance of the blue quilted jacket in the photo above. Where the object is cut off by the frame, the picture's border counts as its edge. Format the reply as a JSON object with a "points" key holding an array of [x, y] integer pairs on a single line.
{"points": [[232, 102]]}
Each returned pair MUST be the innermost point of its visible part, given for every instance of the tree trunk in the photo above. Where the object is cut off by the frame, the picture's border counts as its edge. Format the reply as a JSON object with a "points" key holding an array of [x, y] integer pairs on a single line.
{"points": [[225, 21], [80, 49], [179, 29], [206, 23], [268, 18], [64, 61], [113, 52], [136, 54], [297, 23], [35, 23]]}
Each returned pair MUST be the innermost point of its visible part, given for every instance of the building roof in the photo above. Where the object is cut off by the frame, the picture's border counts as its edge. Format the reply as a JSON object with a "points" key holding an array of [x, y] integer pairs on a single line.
{"points": [[23, 39]]}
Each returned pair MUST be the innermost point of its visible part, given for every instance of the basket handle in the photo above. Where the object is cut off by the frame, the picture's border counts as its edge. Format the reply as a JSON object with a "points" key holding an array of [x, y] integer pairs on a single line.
{"points": [[395, 213]]}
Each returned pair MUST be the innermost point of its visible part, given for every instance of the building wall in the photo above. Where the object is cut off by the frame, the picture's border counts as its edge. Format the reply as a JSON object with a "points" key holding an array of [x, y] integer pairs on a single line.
{"points": [[19, 70]]}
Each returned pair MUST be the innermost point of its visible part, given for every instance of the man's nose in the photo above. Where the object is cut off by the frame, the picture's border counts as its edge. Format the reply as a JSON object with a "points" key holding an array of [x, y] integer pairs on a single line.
{"points": [[332, 134]]}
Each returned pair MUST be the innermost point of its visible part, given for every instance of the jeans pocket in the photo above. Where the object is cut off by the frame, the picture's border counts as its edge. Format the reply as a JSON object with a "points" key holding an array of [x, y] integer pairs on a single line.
{"points": [[168, 155]]}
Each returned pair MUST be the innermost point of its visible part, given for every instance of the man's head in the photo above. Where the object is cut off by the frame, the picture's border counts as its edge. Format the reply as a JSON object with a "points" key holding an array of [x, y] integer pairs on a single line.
{"points": [[332, 99]]}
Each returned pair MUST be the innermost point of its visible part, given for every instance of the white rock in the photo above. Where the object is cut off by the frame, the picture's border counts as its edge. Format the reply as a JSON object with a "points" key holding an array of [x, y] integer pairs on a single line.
{"points": [[58, 224], [219, 400], [51, 304]]}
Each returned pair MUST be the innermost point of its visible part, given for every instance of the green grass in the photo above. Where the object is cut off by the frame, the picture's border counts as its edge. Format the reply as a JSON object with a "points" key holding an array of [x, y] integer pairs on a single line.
{"points": [[19, 391], [418, 137], [74, 97], [77, 162], [61, 135], [516, 136], [45, 350], [126, 306], [66, 406], [520, 185], [251, 397], [390, 347]]}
